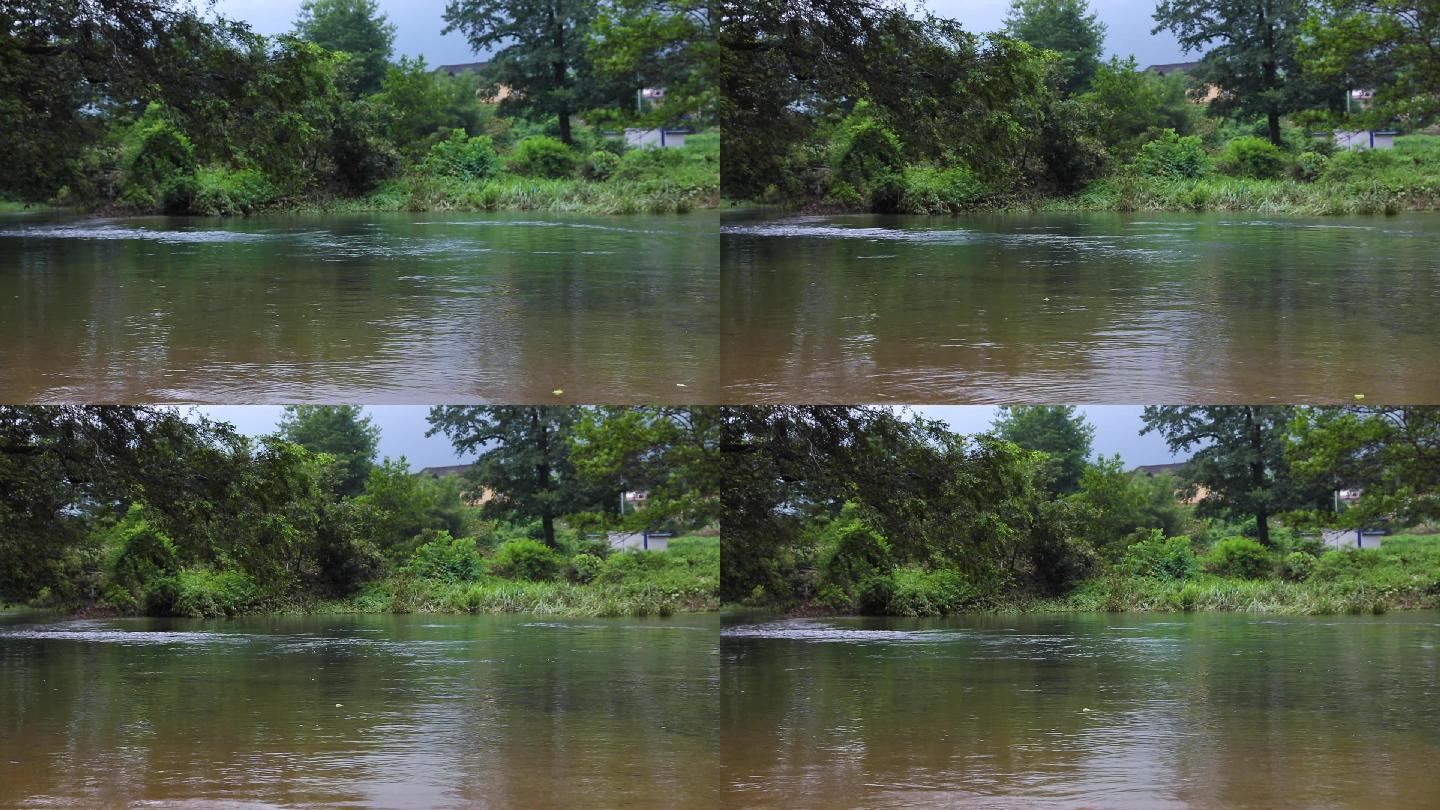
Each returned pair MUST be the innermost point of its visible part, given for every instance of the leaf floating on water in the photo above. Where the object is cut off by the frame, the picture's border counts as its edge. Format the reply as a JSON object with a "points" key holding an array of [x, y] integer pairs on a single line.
{"points": [[1359, 396], [558, 391], [679, 385]]}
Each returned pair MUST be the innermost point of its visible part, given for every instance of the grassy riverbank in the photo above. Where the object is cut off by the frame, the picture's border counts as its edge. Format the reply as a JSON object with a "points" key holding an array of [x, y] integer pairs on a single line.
{"points": [[1168, 576], [684, 578]]}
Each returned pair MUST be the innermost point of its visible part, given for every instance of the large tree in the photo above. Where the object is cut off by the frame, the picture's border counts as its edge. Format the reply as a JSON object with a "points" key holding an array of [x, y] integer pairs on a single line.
{"points": [[1390, 453], [1058, 431], [540, 50], [355, 27], [1067, 27], [524, 458], [1250, 54], [1390, 47], [343, 431], [671, 454], [1239, 457], [667, 44]]}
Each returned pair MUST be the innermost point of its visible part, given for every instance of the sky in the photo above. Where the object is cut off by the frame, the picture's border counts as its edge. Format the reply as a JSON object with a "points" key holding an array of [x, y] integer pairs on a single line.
{"points": [[418, 24], [402, 430], [1117, 429], [1128, 24]]}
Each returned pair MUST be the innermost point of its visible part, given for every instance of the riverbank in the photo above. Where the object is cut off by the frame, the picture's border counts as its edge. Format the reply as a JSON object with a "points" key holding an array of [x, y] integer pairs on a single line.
{"points": [[1178, 176], [1404, 574], [682, 579]]}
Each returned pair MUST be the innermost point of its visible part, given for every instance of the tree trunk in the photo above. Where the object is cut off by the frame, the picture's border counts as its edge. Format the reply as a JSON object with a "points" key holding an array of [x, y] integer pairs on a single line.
{"points": [[1274, 122], [547, 522], [1262, 525], [561, 76], [1258, 483]]}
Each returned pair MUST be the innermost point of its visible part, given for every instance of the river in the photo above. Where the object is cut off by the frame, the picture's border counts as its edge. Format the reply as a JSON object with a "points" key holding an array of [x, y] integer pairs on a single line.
{"points": [[367, 308], [347, 711], [1074, 711], [1116, 308]]}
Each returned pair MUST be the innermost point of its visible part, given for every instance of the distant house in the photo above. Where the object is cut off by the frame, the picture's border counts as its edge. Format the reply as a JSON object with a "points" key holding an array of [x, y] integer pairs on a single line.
{"points": [[500, 94], [638, 541], [1359, 101], [659, 138], [484, 496], [1204, 95], [1173, 468], [1351, 538]]}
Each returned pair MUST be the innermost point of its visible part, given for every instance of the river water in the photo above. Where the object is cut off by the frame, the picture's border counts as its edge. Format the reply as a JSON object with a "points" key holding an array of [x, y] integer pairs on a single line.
{"points": [[1100, 711], [433, 307], [376, 711], [1118, 308]]}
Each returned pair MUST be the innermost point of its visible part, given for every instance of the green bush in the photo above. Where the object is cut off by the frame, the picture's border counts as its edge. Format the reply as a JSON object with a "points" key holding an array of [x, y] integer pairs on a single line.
{"points": [[1343, 564], [916, 592], [631, 566], [119, 598], [601, 165], [1161, 557], [850, 551], [159, 163], [525, 559], [447, 559], [202, 594], [137, 552], [459, 156], [1171, 155], [583, 568], [1309, 166], [230, 192], [928, 190], [868, 156], [1297, 566], [1253, 157], [1239, 557], [542, 156]]}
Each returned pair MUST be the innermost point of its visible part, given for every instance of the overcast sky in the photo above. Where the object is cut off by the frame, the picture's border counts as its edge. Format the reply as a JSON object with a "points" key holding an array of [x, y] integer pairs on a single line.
{"points": [[418, 24], [402, 429]]}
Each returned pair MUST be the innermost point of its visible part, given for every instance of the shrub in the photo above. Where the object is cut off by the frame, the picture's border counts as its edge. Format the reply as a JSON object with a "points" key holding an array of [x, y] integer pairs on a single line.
{"points": [[1161, 557], [630, 565], [231, 192], [917, 592], [583, 568], [850, 551], [868, 157], [525, 559], [542, 156], [446, 558], [159, 163], [138, 552], [1239, 557], [119, 598], [928, 190], [204, 594], [1171, 155], [1297, 566], [1254, 157], [601, 165], [1309, 166], [1341, 564], [459, 156]]}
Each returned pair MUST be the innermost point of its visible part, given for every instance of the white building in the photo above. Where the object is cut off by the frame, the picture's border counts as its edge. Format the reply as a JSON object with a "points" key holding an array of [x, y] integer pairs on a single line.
{"points": [[638, 541], [1350, 538]]}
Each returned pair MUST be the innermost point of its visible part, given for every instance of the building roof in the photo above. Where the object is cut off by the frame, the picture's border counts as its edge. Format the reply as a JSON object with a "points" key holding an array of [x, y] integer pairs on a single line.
{"points": [[442, 472], [1171, 67], [1159, 469], [463, 67]]}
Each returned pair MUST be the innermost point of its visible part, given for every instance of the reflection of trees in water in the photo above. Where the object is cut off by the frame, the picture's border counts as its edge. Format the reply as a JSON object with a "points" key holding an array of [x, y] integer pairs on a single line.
{"points": [[488, 709], [480, 308], [1206, 710]]}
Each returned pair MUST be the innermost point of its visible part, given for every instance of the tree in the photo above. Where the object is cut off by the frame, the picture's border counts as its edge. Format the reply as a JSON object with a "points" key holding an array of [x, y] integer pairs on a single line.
{"points": [[1239, 457], [1063, 26], [355, 27], [1252, 56], [1135, 106], [1119, 502], [524, 459], [671, 454], [343, 431], [403, 507], [668, 44], [1058, 431], [541, 49], [1386, 46], [1390, 453]]}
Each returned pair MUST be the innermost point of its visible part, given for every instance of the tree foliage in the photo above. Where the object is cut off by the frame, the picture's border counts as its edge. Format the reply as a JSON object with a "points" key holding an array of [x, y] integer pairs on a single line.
{"points": [[354, 27], [1067, 27], [1058, 431], [1385, 46], [343, 431]]}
